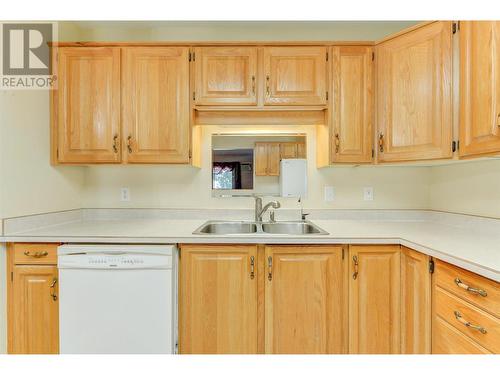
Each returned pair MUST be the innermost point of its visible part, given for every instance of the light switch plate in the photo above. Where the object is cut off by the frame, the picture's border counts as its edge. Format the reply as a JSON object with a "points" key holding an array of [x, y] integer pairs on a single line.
{"points": [[329, 194], [125, 194], [368, 193]]}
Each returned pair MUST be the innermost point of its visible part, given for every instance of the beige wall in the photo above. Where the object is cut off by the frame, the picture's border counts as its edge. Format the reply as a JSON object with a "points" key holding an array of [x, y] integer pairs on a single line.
{"points": [[29, 184], [471, 188], [232, 30], [184, 186]]}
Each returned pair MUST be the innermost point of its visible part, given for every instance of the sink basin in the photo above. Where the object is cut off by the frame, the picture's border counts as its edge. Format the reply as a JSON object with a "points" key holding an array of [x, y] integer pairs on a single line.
{"points": [[227, 227], [292, 228], [248, 227]]}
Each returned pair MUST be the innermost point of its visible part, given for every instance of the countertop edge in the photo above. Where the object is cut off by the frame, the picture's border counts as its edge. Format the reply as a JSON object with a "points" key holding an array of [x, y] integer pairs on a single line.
{"points": [[473, 267]]}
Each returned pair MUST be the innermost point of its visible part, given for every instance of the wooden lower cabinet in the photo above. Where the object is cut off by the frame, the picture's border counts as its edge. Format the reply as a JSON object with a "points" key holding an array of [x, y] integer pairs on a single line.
{"points": [[465, 312], [374, 299], [33, 306], [218, 299], [304, 300], [415, 302]]}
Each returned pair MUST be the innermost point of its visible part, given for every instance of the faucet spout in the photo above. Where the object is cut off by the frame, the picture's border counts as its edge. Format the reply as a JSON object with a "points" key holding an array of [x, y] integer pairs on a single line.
{"points": [[259, 210]]}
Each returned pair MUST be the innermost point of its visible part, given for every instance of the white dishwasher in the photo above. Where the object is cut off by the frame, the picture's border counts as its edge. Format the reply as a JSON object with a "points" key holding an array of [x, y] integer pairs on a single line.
{"points": [[117, 299]]}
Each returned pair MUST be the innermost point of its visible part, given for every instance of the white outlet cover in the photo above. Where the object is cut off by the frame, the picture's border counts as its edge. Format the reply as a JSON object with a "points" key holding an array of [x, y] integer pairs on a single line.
{"points": [[368, 193], [125, 194], [329, 194]]}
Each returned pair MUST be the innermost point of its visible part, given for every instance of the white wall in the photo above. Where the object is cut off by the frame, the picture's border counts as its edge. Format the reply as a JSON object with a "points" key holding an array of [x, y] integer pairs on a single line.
{"points": [[471, 188]]}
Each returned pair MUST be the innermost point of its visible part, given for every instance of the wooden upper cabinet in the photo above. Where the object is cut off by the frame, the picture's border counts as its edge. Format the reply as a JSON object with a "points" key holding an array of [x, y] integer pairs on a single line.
{"points": [[415, 302], [155, 92], [86, 105], [304, 300], [34, 312], [374, 299], [295, 75], [479, 87], [414, 101], [267, 158], [288, 150], [352, 102], [218, 299], [226, 75]]}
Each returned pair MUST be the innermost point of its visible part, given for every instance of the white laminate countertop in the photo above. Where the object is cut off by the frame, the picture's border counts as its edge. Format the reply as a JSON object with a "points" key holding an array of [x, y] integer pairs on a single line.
{"points": [[468, 246]]}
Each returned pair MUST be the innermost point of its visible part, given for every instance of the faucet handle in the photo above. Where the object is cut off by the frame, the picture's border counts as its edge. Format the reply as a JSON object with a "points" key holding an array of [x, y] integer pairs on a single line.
{"points": [[304, 216]]}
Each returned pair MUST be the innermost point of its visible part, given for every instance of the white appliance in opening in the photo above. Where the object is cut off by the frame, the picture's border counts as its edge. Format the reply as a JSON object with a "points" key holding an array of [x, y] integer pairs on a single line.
{"points": [[117, 299], [293, 178]]}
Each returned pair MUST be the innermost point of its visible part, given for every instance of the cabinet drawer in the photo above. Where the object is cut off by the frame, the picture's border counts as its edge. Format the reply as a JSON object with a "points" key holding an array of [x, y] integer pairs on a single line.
{"points": [[448, 340], [482, 292], [459, 313], [34, 253]]}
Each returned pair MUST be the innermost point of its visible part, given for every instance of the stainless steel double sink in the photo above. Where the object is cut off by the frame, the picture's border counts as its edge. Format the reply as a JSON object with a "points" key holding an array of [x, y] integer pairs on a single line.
{"points": [[249, 227]]}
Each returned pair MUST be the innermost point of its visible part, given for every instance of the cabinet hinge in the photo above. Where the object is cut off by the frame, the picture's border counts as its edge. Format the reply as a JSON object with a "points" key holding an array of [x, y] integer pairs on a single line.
{"points": [[431, 266], [454, 28], [327, 95], [189, 55], [190, 154], [343, 250], [57, 153], [12, 277], [373, 56], [194, 96], [194, 56], [327, 56]]}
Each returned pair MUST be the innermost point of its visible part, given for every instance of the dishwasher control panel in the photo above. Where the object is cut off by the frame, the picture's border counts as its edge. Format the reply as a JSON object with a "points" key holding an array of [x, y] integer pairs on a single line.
{"points": [[116, 261]]}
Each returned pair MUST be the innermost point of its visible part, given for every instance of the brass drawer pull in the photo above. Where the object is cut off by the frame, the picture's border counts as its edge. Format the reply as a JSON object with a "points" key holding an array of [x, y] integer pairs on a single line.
{"points": [[129, 144], [53, 289], [270, 268], [268, 91], [460, 284], [252, 267], [355, 261], [381, 142], [337, 143], [115, 144], [458, 317], [253, 85], [498, 120], [37, 254]]}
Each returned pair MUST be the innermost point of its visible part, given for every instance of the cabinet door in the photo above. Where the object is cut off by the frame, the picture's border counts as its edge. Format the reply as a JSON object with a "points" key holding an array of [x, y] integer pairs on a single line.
{"points": [[226, 75], [304, 299], [479, 87], [155, 91], [218, 299], [34, 315], [87, 105], [273, 159], [295, 75], [415, 302], [301, 150], [414, 114], [352, 104], [288, 150], [374, 299], [261, 159]]}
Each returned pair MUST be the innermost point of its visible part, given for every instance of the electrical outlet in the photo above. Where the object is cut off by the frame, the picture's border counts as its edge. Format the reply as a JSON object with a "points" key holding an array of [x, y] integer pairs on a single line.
{"points": [[125, 194], [368, 193], [329, 194]]}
